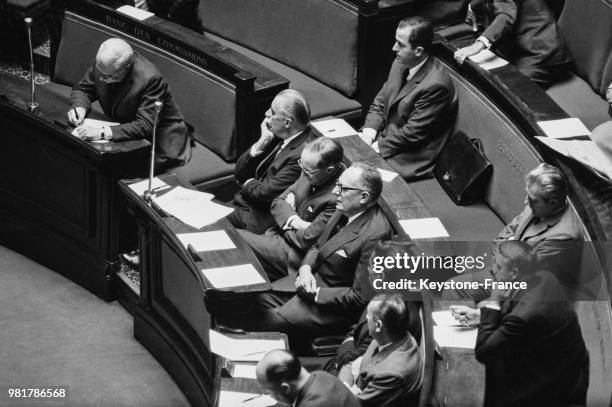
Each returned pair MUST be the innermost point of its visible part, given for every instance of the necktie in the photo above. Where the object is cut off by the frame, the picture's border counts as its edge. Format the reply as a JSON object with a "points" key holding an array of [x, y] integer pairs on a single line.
{"points": [[265, 163], [341, 223]]}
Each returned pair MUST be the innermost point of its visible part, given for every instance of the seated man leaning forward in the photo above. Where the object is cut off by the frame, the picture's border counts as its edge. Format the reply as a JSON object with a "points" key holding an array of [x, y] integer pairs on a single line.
{"points": [[271, 165], [281, 375], [332, 287], [410, 119], [389, 374], [529, 339], [302, 211], [127, 85]]}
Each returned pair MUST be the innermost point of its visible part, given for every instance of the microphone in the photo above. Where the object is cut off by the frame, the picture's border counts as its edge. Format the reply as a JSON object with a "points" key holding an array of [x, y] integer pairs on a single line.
{"points": [[148, 195], [33, 107]]}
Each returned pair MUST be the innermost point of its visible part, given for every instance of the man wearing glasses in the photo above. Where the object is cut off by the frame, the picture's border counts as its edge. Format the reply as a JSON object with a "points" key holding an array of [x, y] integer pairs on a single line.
{"points": [[302, 211], [127, 85], [271, 164], [332, 286]]}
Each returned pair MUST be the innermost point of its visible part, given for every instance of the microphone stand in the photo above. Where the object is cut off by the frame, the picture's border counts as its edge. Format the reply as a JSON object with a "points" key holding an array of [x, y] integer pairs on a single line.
{"points": [[148, 195], [33, 107]]}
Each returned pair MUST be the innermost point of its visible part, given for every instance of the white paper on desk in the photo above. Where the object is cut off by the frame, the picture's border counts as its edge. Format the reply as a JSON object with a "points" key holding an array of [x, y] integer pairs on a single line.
{"points": [[235, 399], [207, 241], [334, 128], [387, 176], [244, 370], [233, 276], [134, 12], [424, 228], [444, 318], [455, 336], [585, 151], [488, 60], [246, 350], [194, 208], [140, 187], [564, 128]]}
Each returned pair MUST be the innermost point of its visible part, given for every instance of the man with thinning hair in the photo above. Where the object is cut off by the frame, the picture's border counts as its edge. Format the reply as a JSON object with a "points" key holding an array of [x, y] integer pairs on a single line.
{"points": [[390, 372], [127, 85], [302, 211], [410, 120], [271, 165], [528, 339], [332, 286], [281, 375]]}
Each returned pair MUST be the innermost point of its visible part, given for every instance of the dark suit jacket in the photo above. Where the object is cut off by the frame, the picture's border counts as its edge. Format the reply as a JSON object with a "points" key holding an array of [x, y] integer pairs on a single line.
{"points": [[272, 175], [414, 118], [525, 32], [557, 241], [130, 102], [340, 266], [533, 348], [325, 390], [312, 204], [392, 376]]}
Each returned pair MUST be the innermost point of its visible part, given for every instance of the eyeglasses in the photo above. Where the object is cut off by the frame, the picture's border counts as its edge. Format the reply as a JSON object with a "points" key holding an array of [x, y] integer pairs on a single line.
{"points": [[342, 188], [307, 171]]}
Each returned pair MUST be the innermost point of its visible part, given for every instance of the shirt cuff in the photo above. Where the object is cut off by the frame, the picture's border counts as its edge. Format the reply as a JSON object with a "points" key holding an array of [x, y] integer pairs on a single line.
{"points": [[247, 181], [286, 225], [349, 339], [493, 306], [317, 294], [485, 41], [369, 134]]}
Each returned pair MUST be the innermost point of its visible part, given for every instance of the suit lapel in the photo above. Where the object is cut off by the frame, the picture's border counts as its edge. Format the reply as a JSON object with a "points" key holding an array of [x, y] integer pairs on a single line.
{"points": [[346, 235], [411, 84], [265, 163]]}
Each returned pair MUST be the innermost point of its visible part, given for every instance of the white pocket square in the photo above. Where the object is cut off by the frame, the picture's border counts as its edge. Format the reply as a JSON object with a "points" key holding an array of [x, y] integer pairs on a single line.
{"points": [[341, 253]]}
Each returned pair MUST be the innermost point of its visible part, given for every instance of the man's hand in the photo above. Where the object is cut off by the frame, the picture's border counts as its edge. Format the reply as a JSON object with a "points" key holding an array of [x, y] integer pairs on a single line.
{"points": [[264, 139], [306, 281], [367, 135], [290, 199], [299, 224], [89, 133], [76, 116], [465, 315], [465, 52]]}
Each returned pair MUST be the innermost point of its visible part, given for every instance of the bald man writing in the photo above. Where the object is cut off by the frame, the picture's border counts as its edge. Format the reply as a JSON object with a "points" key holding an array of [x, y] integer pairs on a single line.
{"points": [[127, 86], [281, 375]]}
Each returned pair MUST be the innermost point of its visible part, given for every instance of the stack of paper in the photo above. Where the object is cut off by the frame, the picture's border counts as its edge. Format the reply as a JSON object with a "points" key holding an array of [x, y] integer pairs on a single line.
{"points": [[334, 128], [583, 151], [239, 399], [564, 128], [140, 187], [207, 241], [134, 12], [487, 60], [424, 228], [455, 336], [444, 318], [246, 350], [246, 370], [192, 207], [233, 276], [387, 176]]}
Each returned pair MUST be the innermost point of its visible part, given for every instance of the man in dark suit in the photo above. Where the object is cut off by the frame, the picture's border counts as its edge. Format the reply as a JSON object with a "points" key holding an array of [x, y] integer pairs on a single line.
{"points": [[302, 211], [529, 339], [525, 33], [281, 375], [127, 85], [411, 117], [271, 165], [390, 371], [332, 286]]}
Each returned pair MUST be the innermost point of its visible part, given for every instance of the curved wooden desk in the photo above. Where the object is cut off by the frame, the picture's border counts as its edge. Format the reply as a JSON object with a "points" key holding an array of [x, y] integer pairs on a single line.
{"points": [[171, 318], [58, 194]]}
